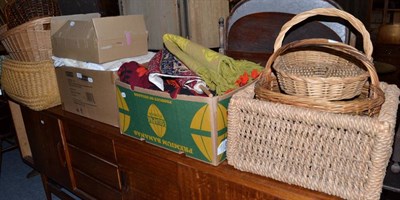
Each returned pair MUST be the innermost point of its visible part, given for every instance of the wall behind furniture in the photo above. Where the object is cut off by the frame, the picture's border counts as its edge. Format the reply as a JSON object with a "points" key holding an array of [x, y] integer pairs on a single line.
{"points": [[194, 19], [104, 7]]}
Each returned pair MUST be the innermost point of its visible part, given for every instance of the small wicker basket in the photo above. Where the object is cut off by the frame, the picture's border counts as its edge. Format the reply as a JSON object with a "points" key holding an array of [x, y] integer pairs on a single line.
{"points": [[368, 103], [33, 84], [29, 42], [320, 74]]}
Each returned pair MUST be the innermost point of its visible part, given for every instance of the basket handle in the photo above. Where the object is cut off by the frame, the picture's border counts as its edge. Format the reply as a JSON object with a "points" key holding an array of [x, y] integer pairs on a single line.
{"points": [[332, 12], [334, 45]]}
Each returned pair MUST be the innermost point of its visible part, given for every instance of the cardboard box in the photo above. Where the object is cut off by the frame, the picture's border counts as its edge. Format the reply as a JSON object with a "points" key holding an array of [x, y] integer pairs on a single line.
{"points": [[89, 93], [196, 126], [92, 39]]}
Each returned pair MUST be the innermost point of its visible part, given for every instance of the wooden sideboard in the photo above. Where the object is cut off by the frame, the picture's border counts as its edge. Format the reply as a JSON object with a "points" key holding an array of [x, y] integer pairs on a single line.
{"points": [[93, 160]]}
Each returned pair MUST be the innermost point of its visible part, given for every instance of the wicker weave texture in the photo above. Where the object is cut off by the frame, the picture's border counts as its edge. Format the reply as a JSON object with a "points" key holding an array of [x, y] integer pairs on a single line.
{"points": [[29, 42], [319, 74], [18, 12], [33, 84], [338, 154], [365, 104]]}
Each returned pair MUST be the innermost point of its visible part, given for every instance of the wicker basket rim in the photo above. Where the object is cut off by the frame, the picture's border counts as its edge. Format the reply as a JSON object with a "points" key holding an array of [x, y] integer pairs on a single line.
{"points": [[23, 27], [316, 79], [333, 45], [263, 85], [370, 105], [27, 64]]}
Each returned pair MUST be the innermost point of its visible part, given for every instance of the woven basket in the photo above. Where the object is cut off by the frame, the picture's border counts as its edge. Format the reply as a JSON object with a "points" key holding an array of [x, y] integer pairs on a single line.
{"points": [[320, 74], [339, 154], [33, 84], [18, 12], [2, 58], [368, 103], [30, 41]]}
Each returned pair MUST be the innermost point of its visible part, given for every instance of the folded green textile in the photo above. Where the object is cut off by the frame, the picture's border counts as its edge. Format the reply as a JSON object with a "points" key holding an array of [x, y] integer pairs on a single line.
{"points": [[220, 72]]}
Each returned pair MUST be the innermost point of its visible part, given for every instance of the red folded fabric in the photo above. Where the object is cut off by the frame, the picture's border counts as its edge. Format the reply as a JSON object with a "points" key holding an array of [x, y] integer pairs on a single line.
{"points": [[134, 74]]}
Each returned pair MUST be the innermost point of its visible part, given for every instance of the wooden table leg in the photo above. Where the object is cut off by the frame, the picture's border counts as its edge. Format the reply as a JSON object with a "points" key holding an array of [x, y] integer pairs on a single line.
{"points": [[46, 186]]}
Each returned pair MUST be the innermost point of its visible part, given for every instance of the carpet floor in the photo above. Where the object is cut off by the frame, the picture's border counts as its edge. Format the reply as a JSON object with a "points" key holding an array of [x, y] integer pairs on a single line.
{"points": [[14, 184]]}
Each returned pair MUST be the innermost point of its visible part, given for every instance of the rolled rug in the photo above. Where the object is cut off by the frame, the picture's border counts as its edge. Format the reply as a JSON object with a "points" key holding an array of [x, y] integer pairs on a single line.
{"points": [[220, 72]]}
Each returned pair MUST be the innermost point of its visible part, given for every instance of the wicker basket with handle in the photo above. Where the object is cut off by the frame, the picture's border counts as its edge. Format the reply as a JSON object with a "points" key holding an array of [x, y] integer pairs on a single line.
{"points": [[320, 74], [367, 103]]}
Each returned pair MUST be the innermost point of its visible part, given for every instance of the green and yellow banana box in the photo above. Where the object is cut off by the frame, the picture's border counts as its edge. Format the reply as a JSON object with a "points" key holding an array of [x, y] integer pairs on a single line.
{"points": [[196, 126]]}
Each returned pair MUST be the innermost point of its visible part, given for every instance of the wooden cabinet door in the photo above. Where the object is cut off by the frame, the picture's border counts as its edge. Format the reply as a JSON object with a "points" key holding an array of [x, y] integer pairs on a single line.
{"points": [[46, 145], [204, 182], [205, 186], [145, 176]]}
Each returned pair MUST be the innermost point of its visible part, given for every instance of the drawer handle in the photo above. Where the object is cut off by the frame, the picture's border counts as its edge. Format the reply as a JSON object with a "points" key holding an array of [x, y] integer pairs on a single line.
{"points": [[61, 154], [124, 181]]}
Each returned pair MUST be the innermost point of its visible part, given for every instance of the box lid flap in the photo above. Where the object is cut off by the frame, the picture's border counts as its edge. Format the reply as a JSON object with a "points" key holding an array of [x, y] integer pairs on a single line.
{"points": [[58, 21], [76, 30], [133, 24]]}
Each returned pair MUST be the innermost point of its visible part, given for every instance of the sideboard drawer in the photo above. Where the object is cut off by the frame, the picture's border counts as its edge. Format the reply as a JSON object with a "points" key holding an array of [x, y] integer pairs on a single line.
{"points": [[94, 188], [93, 143], [98, 169]]}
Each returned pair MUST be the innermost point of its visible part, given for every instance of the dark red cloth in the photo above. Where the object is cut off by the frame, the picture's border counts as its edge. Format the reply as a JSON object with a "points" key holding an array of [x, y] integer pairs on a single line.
{"points": [[134, 74]]}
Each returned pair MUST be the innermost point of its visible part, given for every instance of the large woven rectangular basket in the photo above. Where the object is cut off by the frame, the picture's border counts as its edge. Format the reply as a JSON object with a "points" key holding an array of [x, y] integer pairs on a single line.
{"points": [[338, 154]]}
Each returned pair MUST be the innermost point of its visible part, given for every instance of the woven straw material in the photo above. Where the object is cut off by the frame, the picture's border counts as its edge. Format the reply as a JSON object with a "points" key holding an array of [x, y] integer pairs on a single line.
{"points": [[316, 73], [18, 12], [33, 84], [367, 103], [338, 154], [29, 42]]}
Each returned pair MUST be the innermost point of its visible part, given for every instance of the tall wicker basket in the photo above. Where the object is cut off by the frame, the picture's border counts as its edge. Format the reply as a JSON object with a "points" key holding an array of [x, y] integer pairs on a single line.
{"points": [[33, 84], [339, 154]]}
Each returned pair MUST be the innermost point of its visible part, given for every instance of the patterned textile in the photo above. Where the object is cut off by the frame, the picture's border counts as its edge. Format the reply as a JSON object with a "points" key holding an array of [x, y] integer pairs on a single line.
{"points": [[135, 74], [165, 65], [221, 73]]}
